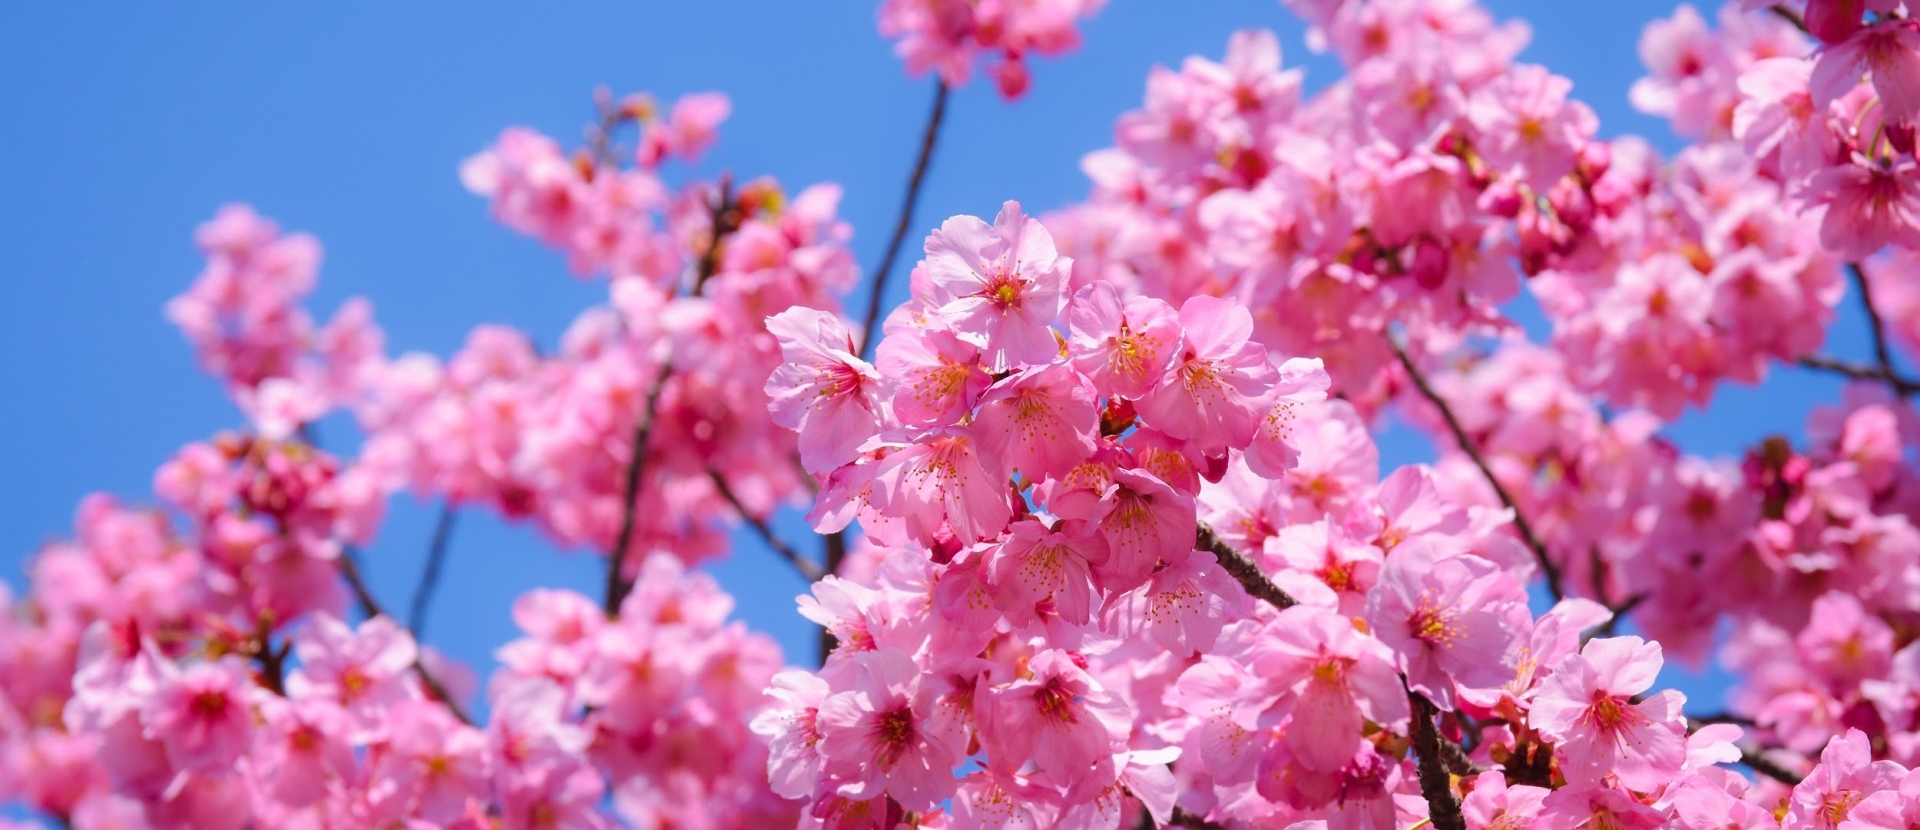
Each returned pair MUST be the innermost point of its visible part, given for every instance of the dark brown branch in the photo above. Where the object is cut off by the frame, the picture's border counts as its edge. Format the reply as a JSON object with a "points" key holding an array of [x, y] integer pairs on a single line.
{"points": [[905, 219], [836, 545], [273, 663], [1882, 356], [1620, 612], [805, 566], [1457, 761], [1903, 386], [1460, 437], [725, 218], [1754, 758], [1242, 569], [618, 585], [1182, 818], [1436, 786], [430, 577], [370, 607], [1790, 16]]}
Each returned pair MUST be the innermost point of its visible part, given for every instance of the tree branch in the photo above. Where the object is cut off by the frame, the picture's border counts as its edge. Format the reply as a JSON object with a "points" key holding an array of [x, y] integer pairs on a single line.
{"points": [[1436, 786], [370, 607], [617, 584], [1242, 569], [430, 577], [1753, 757], [836, 553], [1903, 386], [805, 566], [1467, 446], [905, 219], [1882, 355], [1182, 818], [725, 218], [1790, 16]]}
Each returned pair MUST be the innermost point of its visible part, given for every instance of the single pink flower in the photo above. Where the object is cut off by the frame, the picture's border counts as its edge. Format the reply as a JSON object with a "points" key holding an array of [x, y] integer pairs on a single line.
{"points": [[999, 286], [1037, 564], [1845, 776], [823, 391], [944, 476], [364, 669], [202, 714], [1124, 348], [1039, 421], [1496, 805], [1587, 708], [1335, 679], [1870, 204], [1144, 521], [793, 750], [1059, 718], [1275, 448], [936, 377], [1452, 619], [884, 733], [1888, 52], [1215, 391]]}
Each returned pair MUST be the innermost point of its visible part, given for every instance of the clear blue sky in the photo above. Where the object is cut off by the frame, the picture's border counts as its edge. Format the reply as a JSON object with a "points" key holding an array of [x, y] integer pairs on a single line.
{"points": [[124, 127]]}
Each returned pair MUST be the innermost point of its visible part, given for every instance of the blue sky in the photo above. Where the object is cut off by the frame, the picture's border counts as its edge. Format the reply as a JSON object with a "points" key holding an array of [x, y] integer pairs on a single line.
{"points": [[126, 128]]}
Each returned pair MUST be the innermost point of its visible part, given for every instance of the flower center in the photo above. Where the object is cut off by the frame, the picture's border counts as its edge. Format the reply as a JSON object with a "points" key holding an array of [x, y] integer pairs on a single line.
{"points": [[893, 731]]}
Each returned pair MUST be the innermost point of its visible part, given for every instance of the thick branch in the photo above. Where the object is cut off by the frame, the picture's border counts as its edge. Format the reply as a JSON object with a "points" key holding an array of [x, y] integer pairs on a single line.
{"points": [[905, 219], [430, 577], [371, 608], [1242, 569], [1467, 446], [273, 664], [1903, 386], [1436, 786], [800, 563], [836, 545], [1182, 818]]}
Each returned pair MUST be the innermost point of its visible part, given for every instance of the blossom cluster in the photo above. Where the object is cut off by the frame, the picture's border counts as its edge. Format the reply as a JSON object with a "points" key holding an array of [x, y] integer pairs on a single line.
{"points": [[1126, 551], [949, 37]]}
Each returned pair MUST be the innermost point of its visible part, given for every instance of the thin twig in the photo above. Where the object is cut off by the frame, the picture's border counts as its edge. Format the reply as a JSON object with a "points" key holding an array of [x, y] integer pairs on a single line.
{"points": [[725, 220], [800, 563], [430, 577], [1620, 612], [1881, 354], [1754, 758], [1467, 446], [1790, 16], [1436, 786], [617, 584], [1242, 569], [905, 219], [370, 607], [1903, 386]]}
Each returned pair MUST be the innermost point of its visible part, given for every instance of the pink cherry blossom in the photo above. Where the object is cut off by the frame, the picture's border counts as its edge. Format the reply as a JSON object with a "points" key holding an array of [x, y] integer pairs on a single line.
{"points": [[1000, 286], [1586, 705], [822, 391]]}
